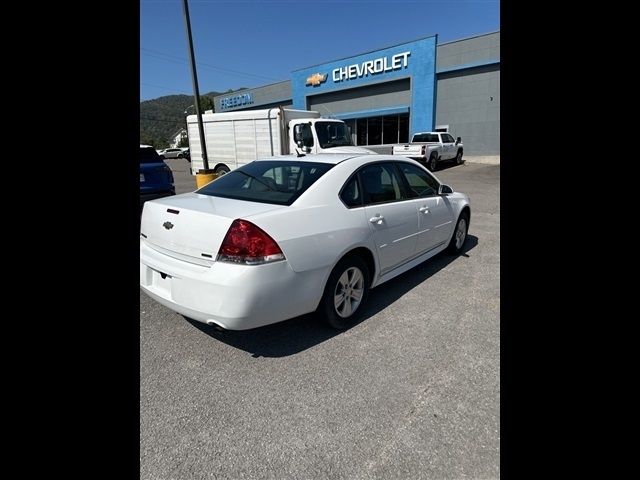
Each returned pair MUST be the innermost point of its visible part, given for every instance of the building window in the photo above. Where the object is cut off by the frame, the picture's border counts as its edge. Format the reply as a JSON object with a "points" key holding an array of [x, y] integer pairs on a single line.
{"points": [[352, 127], [403, 128], [390, 129], [374, 133], [380, 130], [361, 126]]}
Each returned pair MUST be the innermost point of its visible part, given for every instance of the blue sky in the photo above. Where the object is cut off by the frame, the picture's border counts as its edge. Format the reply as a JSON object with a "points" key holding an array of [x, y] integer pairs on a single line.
{"points": [[249, 43]]}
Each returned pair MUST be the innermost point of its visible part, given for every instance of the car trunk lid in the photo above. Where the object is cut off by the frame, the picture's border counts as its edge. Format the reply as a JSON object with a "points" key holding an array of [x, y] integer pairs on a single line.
{"points": [[192, 226]]}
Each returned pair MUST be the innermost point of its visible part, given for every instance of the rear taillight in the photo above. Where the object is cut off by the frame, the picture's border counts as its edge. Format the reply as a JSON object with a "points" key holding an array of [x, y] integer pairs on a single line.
{"points": [[424, 149], [248, 244]]}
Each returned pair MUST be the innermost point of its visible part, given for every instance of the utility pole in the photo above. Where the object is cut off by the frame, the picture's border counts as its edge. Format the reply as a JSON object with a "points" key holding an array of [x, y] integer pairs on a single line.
{"points": [[196, 91]]}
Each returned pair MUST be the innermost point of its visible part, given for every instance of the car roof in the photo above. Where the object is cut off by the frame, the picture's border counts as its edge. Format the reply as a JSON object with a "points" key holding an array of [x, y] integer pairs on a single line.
{"points": [[333, 158]]}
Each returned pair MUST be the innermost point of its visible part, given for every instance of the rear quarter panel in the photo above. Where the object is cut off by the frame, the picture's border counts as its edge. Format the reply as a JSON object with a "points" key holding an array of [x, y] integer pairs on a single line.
{"points": [[316, 236]]}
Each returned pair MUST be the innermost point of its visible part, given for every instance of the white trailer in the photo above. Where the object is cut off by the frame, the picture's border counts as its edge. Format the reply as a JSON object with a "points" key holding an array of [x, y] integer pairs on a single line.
{"points": [[236, 138]]}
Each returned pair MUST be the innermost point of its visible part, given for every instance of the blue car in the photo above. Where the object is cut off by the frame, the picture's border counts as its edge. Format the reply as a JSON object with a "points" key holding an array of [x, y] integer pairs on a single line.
{"points": [[156, 178]]}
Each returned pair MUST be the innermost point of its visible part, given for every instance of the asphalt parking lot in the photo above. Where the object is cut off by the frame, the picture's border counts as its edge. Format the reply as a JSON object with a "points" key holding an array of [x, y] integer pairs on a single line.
{"points": [[413, 391]]}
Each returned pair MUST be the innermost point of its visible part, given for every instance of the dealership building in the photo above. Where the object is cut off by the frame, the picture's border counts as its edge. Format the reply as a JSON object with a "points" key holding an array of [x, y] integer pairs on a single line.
{"points": [[387, 95]]}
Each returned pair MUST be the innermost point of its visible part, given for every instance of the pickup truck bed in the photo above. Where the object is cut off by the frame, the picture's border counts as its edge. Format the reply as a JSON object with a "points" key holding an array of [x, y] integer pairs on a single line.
{"points": [[431, 148]]}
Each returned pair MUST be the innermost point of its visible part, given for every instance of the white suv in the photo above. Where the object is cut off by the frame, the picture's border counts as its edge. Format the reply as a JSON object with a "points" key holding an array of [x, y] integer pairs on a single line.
{"points": [[171, 153]]}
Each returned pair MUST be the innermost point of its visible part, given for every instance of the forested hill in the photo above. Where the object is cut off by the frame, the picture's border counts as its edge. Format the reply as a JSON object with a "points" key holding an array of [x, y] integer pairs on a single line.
{"points": [[162, 117]]}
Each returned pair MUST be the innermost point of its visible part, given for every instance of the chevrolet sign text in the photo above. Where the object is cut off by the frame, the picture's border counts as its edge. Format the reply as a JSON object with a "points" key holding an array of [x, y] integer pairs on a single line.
{"points": [[371, 67]]}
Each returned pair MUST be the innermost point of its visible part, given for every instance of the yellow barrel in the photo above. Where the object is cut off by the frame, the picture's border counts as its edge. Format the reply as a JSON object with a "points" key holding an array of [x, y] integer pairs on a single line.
{"points": [[205, 176]]}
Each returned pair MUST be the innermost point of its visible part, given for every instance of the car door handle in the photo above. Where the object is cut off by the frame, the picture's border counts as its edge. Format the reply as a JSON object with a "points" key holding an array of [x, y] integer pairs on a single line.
{"points": [[377, 219], [424, 209]]}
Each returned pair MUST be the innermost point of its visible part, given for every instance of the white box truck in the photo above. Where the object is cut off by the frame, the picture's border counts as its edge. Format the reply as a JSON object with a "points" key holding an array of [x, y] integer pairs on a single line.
{"points": [[236, 138]]}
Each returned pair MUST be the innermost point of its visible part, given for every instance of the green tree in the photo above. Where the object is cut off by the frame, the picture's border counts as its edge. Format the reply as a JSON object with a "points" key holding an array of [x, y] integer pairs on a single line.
{"points": [[147, 138], [206, 103]]}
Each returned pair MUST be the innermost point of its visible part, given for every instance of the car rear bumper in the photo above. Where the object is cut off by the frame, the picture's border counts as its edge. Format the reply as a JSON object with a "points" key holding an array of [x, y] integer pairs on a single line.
{"points": [[234, 297]]}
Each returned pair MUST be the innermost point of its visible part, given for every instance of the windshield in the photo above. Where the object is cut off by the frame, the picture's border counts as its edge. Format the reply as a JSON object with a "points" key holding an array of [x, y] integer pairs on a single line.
{"points": [[279, 182], [333, 134], [149, 155]]}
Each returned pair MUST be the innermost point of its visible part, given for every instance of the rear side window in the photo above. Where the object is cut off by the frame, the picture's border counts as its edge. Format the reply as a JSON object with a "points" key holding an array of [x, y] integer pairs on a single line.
{"points": [[277, 182], [351, 195], [149, 155]]}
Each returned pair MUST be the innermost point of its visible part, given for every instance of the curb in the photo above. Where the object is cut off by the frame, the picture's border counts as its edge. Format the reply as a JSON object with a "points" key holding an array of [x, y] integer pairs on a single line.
{"points": [[486, 159]]}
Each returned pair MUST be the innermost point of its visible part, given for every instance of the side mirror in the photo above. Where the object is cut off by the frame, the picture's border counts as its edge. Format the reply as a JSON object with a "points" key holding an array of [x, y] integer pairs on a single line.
{"points": [[458, 140], [444, 189]]}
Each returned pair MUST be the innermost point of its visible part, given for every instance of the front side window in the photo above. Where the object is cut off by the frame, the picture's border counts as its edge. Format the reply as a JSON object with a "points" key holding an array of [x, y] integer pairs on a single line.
{"points": [[447, 138], [278, 182], [303, 131], [421, 183], [380, 183]]}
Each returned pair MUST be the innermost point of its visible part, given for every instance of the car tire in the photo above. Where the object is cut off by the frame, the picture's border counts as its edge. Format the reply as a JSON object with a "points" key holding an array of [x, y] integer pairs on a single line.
{"points": [[459, 234], [433, 162], [345, 293], [459, 158], [222, 170], [180, 155]]}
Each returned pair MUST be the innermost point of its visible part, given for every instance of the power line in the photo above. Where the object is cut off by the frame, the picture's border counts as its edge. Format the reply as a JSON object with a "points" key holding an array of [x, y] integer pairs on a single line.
{"points": [[164, 88], [161, 120], [214, 67]]}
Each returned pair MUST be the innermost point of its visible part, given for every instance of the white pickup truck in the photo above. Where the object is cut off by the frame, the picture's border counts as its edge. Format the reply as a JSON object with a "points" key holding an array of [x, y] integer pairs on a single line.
{"points": [[431, 148]]}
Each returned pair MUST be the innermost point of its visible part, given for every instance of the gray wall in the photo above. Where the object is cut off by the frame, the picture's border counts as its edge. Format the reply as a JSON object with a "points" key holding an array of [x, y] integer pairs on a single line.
{"points": [[287, 104], [263, 97], [469, 102], [464, 52], [468, 99], [371, 97]]}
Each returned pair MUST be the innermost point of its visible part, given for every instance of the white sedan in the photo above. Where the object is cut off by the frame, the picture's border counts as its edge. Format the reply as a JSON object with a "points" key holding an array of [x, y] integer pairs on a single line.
{"points": [[289, 235]]}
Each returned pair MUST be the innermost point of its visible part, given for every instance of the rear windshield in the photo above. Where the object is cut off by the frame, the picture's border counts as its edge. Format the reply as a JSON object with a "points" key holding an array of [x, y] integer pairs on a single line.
{"points": [[149, 155], [425, 137], [278, 182]]}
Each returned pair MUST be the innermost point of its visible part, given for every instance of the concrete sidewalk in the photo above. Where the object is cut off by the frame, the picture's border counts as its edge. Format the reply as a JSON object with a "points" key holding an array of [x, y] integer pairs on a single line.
{"points": [[487, 159]]}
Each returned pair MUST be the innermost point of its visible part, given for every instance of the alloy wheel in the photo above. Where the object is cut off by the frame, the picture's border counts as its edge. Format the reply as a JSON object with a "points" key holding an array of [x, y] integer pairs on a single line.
{"points": [[461, 233], [348, 292]]}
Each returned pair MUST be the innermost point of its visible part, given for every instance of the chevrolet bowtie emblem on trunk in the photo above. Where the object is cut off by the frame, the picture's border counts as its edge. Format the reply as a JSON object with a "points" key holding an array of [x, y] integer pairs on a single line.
{"points": [[316, 79], [167, 225]]}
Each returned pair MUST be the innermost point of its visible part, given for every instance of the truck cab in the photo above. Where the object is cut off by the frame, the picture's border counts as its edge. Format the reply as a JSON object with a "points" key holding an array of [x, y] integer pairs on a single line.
{"points": [[321, 135]]}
